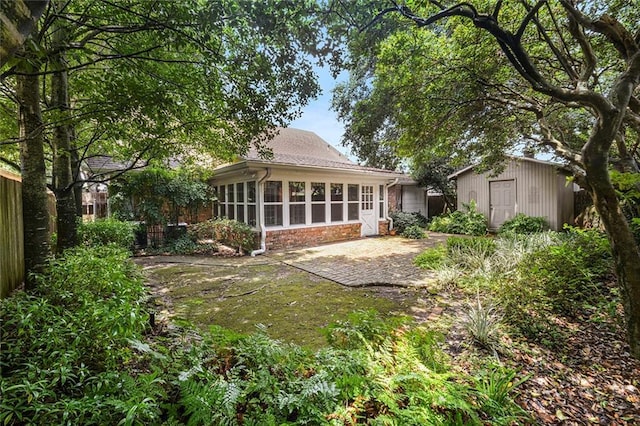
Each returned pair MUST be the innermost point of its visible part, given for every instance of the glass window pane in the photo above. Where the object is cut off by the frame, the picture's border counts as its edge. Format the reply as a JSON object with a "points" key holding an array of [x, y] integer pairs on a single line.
{"points": [[240, 213], [296, 192], [336, 192], [297, 214], [317, 213], [216, 209], [230, 193], [317, 191], [353, 192], [240, 192], [222, 194], [251, 215], [381, 214], [353, 211], [381, 193], [336, 212], [223, 210], [273, 215], [273, 191], [231, 212], [251, 192]]}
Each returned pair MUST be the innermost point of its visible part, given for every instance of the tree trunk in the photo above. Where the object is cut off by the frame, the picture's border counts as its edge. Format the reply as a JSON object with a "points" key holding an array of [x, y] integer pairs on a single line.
{"points": [[34, 181], [63, 183], [624, 248]]}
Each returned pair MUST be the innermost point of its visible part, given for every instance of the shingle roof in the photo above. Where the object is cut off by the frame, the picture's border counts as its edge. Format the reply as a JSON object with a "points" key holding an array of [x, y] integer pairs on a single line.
{"points": [[291, 144], [304, 148]]}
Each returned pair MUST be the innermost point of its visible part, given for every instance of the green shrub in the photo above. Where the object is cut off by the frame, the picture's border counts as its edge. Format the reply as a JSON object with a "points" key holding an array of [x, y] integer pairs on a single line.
{"points": [[523, 224], [470, 222], [62, 345], [414, 232], [432, 258], [225, 231], [462, 246], [559, 277], [404, 220], [107, 231]]}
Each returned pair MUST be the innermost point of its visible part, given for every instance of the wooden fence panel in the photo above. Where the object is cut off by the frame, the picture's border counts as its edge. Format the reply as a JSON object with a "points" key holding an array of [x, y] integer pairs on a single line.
{"points": [[11, 236]]}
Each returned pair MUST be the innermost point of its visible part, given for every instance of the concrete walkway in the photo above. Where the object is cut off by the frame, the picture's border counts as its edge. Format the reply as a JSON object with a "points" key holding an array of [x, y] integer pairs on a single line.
{"points": [[364, 262]]}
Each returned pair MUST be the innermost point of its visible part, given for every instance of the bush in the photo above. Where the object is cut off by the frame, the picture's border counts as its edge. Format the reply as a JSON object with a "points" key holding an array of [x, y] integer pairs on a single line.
{"points": [[432, 258], [470, 222], [62, 346], [559, 278], [404, 220], [107, 231], [415, 232], [523, 224], [225, 231]]}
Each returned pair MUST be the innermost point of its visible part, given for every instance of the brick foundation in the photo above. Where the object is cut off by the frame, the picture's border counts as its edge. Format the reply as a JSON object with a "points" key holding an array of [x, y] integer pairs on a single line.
{"points": [[383, 227], [301, 237]]}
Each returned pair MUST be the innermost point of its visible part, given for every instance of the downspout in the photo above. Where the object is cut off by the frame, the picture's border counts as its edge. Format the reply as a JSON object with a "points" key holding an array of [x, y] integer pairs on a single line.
{"points": [[389, 218], [263, 230]]}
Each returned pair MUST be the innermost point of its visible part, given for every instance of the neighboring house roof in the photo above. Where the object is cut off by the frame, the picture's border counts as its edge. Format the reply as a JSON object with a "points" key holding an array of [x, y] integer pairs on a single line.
{"points": [[295, 147], [103, 163], [531, 160]]}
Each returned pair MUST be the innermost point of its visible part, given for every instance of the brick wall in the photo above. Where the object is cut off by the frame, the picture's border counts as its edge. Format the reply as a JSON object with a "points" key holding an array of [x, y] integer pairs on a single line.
{"points": [[383, 227], [394, 198], [300, 237]]}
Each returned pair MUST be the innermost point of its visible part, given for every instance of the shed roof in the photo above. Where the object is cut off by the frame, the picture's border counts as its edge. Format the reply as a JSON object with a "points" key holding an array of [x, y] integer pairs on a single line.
{"points": [[512, 158]]}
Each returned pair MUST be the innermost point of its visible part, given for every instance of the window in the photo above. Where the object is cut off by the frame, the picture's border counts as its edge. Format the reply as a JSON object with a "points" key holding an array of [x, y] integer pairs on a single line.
{"points": [[353, 202], [318, 199], [297, 206], [381, 212], [273, 203], [251, 203], [367, 197], [237, 201], [337, 199]]}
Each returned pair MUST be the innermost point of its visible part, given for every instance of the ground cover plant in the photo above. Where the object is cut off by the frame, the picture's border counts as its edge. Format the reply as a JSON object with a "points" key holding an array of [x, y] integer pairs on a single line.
{"points": [[80, 350], [546, 305]]}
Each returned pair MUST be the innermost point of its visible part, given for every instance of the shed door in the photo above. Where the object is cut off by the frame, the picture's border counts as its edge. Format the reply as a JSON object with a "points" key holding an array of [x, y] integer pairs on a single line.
{"points": [[502, 194], [368, 212]]}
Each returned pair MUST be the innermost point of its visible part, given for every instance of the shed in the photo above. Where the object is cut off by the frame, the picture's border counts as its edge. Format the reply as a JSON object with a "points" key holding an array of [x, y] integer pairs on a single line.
{"points": [[527, 185]]}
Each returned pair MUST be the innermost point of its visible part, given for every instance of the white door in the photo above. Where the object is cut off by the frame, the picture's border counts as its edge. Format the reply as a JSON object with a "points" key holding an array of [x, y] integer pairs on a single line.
{"points": [[368, 212], [502, 194]]}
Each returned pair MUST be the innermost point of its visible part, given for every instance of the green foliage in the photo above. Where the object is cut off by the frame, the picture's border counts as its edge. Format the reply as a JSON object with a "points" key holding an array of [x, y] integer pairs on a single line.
{"points": [[470, 222], [404, 220], [107, 231], [157, 195], [415, 232], [483, 323], [431, 258], [225, 231], [523, 224], [63, 345], [469, 252], [494, 388], [360, 327]]}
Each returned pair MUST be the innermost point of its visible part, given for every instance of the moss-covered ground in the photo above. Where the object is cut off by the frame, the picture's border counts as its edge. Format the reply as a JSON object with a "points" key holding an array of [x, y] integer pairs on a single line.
{"points": [[292, 304]]}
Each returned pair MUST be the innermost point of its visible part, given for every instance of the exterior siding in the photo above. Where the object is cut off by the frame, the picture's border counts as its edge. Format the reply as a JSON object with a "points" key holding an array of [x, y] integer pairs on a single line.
{"points": [[540, 191], [414, 199]]}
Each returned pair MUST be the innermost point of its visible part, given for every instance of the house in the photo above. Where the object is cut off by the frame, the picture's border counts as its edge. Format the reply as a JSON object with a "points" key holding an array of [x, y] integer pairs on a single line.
{"points": [[306, 193], [527, 185], [409, 196]]}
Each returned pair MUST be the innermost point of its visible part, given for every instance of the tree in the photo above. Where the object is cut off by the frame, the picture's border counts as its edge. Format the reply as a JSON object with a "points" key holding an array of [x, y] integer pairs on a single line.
{"points": [[477, 78], [141, 80]]}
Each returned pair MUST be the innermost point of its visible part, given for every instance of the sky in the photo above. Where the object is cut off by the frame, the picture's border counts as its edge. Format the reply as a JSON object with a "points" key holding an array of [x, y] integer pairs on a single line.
{"points": [[317, 116]]}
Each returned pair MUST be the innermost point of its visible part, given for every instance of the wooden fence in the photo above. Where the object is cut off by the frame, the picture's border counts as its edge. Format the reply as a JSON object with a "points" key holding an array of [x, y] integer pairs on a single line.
{"points": [[11, 238], [11, 231]]}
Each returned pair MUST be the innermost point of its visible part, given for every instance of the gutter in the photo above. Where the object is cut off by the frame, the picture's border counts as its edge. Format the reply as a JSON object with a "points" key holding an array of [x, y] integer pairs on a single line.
{"points": [[389, 218], [263, 230]]}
